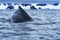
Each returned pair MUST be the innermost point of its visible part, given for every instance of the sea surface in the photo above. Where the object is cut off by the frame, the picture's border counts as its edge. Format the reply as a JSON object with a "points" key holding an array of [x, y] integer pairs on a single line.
{"points": [[45, 26], [30, 1]]}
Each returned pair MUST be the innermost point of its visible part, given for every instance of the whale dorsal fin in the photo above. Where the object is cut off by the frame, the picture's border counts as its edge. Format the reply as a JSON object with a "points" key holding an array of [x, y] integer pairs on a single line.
{"points": [[21, 16], [20, 9]]}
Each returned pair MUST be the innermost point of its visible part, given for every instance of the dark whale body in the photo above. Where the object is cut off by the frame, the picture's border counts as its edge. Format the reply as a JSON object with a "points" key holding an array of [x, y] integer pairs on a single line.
{"points": [[20, 16]]}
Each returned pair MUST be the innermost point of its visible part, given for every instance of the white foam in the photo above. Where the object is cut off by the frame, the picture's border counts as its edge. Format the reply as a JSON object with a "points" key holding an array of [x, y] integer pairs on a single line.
{"points": [[3, 6], [52, 6], [48, 6]]}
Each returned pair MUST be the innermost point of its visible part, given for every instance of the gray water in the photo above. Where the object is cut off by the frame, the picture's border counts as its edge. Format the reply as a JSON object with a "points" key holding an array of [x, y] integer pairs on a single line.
{"points": [[45, 26]]}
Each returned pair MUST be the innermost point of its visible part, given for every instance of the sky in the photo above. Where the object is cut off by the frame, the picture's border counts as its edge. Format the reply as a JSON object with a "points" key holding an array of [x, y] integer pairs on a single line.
{"points": [[32, 1]]}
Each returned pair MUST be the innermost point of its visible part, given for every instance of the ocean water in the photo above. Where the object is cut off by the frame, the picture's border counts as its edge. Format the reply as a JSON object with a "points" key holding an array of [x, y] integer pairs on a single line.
{"points": [[31, 1], [45, 26]]}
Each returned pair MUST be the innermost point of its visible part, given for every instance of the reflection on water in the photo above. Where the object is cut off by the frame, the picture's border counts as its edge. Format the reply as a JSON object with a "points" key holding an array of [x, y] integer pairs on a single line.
{"points": [[46, 26]]}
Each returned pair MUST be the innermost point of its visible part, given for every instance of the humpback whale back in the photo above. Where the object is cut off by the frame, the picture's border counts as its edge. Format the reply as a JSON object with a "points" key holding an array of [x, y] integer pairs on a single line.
{"points": [[20, 16]]}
